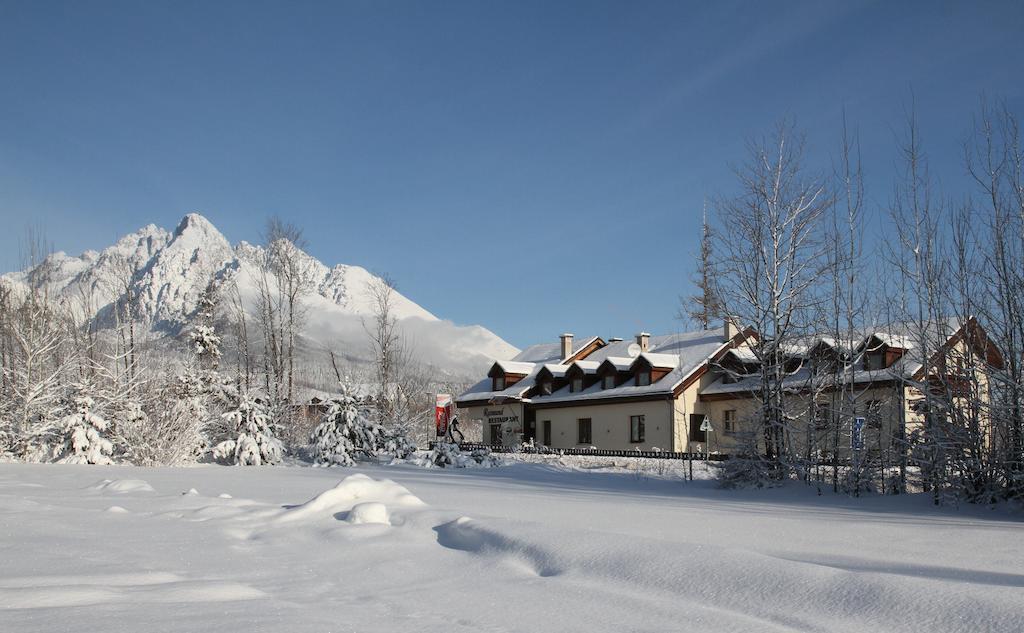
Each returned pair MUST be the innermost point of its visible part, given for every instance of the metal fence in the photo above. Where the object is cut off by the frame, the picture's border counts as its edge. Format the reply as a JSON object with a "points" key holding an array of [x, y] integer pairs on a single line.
{"points": [[593, 452]]}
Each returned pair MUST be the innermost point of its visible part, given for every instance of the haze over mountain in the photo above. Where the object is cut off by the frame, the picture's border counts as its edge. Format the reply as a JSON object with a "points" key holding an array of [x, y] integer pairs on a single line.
{"points": [[166, 272]]}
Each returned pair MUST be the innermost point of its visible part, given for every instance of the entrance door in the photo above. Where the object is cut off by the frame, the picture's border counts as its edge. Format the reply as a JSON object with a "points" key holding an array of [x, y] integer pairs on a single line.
{"points": [[547, 432], [530, 431], [495, 434]]}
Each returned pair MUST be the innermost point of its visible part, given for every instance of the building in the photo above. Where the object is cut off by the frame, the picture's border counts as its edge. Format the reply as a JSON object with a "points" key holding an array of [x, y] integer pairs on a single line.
{"points": [[614, 394], [654, 392]]}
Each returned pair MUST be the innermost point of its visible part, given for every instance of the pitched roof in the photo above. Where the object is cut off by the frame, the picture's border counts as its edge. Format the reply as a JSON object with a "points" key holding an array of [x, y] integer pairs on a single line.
{"points": [[483, 389], [551, 352], [901, 335], [621, 363], [588, 366], [689, 351], [514, 367], [661, 360], [556, 370]]}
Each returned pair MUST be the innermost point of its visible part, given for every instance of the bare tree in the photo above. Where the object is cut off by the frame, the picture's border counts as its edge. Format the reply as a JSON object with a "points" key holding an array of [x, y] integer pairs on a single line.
{"points": [[38, 357], [918, 255], [399, 379], [294, 272], [846, 312], [283, 276], [994, 222], [768, 262]]}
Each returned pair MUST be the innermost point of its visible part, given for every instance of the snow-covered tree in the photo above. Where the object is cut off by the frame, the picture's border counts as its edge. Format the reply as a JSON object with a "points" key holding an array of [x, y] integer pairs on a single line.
{"points": [[252, 441], [347, 433], [205, 344], [748, 468], [450, 455], [84, 433]]}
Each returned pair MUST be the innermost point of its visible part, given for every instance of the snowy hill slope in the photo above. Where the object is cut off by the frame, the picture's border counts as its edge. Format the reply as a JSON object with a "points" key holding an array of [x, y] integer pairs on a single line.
{"points": [[165, 273]]}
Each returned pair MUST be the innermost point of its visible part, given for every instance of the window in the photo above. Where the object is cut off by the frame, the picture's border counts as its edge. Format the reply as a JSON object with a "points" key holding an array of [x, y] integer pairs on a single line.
{"points": [[696, 435], [577, 384], [584, 431], [608, 382], [545, 388], [499, 383], [643, 378], [729, 421], [636, 429], [873, 360], [546, 428]]}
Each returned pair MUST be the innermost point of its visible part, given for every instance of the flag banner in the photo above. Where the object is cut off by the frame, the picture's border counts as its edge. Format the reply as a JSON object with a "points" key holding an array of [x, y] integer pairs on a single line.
{"points": [[443, 413]]}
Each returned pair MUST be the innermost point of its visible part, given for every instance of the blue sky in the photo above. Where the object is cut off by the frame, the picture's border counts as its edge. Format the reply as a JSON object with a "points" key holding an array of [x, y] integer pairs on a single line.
{"points": [[530, 166]]}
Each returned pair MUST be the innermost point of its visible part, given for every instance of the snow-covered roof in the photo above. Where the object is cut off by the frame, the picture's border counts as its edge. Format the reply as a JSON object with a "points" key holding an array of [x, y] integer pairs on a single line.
{"points": [[798, 380], [621, 363], [690, 350], [898, 335], [900, 341], [483, 389], [551, 352], [514, 367], [556, 370], [668, 361], [588, 366], [743, 354]]}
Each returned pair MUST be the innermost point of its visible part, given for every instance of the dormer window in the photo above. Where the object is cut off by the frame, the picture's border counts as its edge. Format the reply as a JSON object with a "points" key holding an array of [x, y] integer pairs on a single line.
{"points": [[643, 378], [608, 382], [577, 384], [545, 388], [499, 383]]}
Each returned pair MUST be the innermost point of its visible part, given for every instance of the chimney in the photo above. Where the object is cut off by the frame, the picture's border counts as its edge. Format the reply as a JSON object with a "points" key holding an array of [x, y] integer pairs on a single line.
{"points": [[566, 346], [643, 339], [729, 329]]}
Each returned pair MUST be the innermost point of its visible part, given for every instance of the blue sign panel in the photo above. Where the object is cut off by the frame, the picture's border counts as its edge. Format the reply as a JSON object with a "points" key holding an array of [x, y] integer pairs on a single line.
{"points": [[857, 436]]}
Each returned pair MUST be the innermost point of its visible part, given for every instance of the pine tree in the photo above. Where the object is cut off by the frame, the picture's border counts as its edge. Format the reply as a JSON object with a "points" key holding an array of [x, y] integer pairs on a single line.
{"points": [[347, 433], [83, 433], [704, 307], [252, 441]]}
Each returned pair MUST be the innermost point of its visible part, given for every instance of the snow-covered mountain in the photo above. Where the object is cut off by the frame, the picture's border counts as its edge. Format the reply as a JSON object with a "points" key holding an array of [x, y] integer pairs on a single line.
{"points": [[167, 272]]}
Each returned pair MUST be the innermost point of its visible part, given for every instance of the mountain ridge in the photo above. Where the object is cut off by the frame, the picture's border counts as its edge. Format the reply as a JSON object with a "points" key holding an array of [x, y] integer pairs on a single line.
{"points": [[166, 273]]}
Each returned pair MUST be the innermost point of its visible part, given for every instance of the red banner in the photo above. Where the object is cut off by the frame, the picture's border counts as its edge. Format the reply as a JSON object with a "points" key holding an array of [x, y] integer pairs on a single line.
{"points": [[443, 413]]}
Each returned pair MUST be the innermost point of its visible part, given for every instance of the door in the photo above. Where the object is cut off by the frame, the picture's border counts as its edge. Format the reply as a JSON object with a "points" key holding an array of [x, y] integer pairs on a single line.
{"points": [[547, 432], [495, 434], [530, 431]]}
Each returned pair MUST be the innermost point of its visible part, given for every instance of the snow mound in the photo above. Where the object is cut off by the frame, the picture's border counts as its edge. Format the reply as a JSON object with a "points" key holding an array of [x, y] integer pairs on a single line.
{"points": [[191, 492], [465, 534], [369, 512], [123, 486], [117, 510], [353, 490]]}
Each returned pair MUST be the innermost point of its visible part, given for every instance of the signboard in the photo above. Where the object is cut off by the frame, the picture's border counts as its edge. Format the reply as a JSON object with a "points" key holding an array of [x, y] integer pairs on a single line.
{"points": [[506, 417], [442, 413], [857, 434], [705, 426]]}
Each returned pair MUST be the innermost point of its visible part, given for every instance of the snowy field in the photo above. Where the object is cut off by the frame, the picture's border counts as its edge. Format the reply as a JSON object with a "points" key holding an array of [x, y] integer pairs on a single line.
{"points": [[529, 547]]}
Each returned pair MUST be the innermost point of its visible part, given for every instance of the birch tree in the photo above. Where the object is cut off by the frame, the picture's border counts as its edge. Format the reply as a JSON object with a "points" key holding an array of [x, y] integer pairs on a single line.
{"points": [[770, 256]]}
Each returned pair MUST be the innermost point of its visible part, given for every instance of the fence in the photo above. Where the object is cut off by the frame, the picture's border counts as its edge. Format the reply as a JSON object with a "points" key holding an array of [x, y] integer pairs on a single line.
{"points": [[593, 452]]}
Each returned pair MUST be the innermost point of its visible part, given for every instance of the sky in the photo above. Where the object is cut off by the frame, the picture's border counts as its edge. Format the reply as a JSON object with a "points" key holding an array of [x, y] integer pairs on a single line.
{"points": [[533, 167]]}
